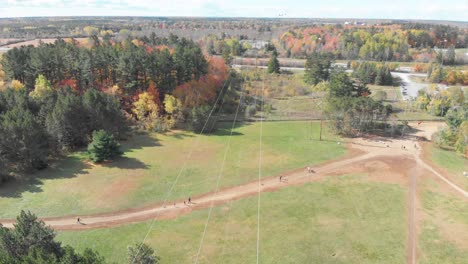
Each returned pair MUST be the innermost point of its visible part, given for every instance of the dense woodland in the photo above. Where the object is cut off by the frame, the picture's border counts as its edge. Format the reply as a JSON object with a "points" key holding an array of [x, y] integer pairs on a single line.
{"points": [[57, 95], [407, 42]]}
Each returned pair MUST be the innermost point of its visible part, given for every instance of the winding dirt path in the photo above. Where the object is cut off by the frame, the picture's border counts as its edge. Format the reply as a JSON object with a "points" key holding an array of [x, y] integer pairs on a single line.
{"points": [[385, 160]]}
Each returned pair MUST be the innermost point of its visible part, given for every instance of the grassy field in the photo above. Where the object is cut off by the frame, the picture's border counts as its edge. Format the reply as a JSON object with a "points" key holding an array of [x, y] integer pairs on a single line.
{"points": [[393, 92], [444, 234], [454, 163], [152, 163], [297, 107], [275, 85], [341, 220]]}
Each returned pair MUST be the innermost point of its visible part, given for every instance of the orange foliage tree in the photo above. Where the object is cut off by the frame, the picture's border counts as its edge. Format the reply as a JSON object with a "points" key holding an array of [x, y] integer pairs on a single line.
{"points": [[203, 91]]}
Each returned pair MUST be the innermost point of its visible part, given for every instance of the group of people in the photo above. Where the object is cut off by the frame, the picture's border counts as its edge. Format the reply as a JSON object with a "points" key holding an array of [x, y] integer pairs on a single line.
{"points": [[308, 168], [189, 201]]}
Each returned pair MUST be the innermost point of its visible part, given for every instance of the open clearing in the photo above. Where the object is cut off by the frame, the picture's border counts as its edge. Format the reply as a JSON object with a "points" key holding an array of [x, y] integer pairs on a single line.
{"points": [[152, 163], [391, 206], [330, 222]]}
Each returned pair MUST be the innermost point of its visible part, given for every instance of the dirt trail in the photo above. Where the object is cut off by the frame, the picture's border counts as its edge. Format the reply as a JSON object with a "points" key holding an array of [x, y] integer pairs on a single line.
{"points": [[378, 156]]}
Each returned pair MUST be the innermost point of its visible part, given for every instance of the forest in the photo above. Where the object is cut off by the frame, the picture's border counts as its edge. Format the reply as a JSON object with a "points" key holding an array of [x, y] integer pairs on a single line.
{"points": [[407, 42], [59, 94]]}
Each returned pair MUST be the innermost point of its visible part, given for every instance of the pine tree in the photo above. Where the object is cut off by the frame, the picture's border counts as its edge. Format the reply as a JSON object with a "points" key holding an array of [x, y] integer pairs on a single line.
{"points": [[103, 147], [273, 64]]}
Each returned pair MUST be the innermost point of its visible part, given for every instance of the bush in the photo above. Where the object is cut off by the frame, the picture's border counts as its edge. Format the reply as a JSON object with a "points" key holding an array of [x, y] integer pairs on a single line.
{"points": [[103, 147], [200, 120], [250, 111]]}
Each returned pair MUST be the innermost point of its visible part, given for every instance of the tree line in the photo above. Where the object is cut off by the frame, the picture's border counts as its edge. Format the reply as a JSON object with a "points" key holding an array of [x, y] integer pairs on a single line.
{"points": [[378, 43], [347, 102], [450, 103], [58, 95]]}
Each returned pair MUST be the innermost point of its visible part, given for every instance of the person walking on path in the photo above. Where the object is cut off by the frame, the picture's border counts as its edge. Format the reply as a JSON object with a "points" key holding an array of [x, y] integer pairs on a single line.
{"points": [[78, 221], [281, 178], [189, 200]]}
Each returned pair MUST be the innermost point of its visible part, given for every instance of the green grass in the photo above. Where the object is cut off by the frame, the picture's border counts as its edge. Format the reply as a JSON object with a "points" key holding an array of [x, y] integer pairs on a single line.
{"points": [[453, 162], [340, 220], [438, 250], [447, 217], [393, 92], [152, 163], [297, 107]]}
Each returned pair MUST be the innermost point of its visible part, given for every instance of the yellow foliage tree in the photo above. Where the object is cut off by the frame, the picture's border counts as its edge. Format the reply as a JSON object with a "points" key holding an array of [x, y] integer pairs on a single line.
{"points": [[146, 111], [42, 88], [17, 85]]}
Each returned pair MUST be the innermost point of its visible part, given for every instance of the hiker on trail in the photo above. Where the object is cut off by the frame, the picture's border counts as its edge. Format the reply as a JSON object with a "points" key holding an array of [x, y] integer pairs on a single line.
{"points": [[189, 200], [281, 178], [184, 203], [78, 221]]}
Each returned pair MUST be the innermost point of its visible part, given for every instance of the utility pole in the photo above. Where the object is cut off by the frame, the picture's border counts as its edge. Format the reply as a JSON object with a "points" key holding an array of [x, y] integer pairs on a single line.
{"points": [[321, 119]]}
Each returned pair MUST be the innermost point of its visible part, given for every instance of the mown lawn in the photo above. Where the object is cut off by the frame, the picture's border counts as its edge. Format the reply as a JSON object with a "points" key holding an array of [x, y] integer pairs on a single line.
{"points": [[454, 163], [153, 162], [444, 235], [341, 220]]}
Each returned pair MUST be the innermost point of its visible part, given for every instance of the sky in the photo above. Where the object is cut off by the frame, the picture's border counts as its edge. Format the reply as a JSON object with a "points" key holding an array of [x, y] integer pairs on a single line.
{"points": [[393, 9]]}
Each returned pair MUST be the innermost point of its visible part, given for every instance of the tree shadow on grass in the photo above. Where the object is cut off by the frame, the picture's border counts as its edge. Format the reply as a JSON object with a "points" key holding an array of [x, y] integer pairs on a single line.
{"points": [[125, 163], [69, 167], [223, 128], [139, 141], [72, 166], [178, 134]]}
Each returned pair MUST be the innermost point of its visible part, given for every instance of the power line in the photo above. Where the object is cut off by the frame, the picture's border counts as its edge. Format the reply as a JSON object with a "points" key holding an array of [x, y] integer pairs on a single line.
{"points": [[260, 169], [218, 180], [196, 141]]}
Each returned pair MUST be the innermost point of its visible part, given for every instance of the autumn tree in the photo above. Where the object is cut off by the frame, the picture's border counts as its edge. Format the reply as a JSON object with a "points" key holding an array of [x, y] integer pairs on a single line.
{"points": [[146, 111], [42, 88], [173, 107]]}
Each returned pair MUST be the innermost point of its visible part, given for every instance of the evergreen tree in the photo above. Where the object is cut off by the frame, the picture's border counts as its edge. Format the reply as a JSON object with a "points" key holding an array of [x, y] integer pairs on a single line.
{"points": [[66, 124], [103, 147], [198, 119], [273, 64], [103, 112], [23, 144], [317, 68], [31, 241], [142, 254], [450, 56]]}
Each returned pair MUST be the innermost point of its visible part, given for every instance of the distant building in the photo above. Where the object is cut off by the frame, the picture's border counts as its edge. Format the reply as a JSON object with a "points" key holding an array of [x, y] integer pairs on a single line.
{"points": [[257, 44]]}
